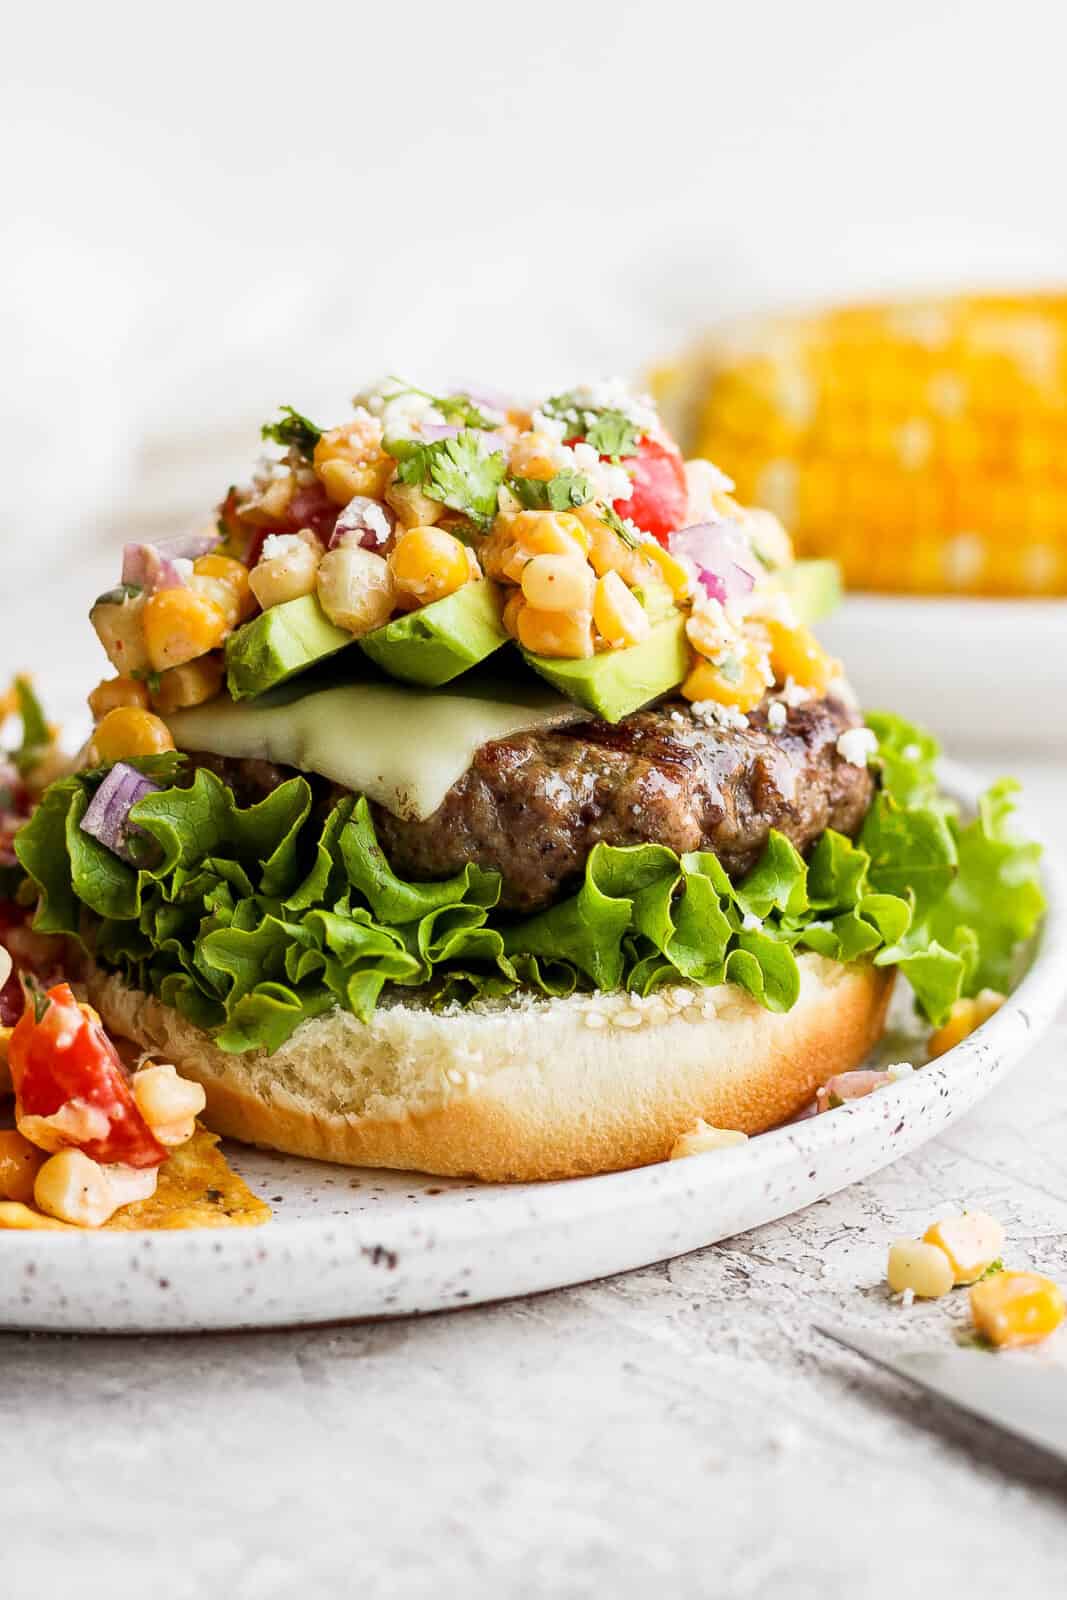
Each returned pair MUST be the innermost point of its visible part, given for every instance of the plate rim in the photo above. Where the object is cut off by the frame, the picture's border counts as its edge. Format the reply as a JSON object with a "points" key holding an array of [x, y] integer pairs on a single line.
{"points": [[1002, 1041]]}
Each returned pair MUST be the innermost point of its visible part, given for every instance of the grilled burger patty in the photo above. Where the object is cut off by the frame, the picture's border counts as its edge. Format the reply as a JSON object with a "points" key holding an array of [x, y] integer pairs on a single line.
{"points": [[533, 806]]}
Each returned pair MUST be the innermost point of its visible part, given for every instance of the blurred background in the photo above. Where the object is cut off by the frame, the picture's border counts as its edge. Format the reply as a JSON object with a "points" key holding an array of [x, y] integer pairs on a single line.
{"points": [[218, 208]]}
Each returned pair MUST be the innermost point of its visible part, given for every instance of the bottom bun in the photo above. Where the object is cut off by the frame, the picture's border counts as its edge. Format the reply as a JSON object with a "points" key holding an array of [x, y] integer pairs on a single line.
{"points": [[523, 1089]]}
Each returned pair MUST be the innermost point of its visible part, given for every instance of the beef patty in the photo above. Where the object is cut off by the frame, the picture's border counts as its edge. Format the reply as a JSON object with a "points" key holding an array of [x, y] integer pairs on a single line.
{"points": [[533, 806]]}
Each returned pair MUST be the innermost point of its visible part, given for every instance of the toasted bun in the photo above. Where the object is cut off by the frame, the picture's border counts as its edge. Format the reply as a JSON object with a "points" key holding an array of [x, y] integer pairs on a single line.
{"points": [[522, 1090]]}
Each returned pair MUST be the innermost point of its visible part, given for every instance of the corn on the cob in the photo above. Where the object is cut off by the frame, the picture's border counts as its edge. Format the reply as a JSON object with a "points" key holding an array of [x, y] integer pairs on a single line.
{"points": [[923, 444]]}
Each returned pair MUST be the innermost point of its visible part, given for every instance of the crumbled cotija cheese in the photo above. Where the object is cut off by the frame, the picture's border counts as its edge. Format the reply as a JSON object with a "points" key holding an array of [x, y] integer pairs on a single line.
{"points": [[855, 745]]}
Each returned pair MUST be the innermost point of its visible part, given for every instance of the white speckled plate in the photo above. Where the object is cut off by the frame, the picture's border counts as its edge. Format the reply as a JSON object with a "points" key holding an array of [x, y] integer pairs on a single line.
{"points": [[366, 1244]]}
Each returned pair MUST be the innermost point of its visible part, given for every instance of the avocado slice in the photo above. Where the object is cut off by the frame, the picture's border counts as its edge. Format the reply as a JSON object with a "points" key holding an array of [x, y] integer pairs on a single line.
{"points": [[620, 681], [814, 587], [435, 644], [279, 643]]}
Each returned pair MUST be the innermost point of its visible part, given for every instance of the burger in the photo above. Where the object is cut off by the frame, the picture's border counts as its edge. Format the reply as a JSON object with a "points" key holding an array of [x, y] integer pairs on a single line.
{"points": [[474, 797]]}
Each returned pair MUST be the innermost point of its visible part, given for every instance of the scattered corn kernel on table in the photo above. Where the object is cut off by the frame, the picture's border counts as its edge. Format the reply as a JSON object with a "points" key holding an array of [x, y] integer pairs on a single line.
{"points": [[680, 1426]]}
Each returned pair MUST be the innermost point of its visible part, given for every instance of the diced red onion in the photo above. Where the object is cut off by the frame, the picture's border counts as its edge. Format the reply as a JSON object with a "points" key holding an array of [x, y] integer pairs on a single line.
{"points": [[487, 399], [144, 566], [439, 430], [189, 546], [364, 522], [107, 816], [719, 554]]}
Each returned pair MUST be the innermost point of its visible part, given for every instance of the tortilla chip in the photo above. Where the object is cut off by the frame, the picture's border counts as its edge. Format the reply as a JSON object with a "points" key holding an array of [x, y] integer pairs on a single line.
{"points": [[197, 1189], [23, 1219]]}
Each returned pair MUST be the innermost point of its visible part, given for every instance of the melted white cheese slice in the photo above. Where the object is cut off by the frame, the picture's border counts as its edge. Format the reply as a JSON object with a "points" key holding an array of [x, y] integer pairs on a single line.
{"points": [[401, 746]]}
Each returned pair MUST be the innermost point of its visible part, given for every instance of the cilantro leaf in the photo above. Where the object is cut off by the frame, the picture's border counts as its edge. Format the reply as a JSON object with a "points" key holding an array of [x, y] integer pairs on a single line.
{"points": [[566, 490], [455, 408], [625, 529], [293, 431], [452, 471], [609, 431]]}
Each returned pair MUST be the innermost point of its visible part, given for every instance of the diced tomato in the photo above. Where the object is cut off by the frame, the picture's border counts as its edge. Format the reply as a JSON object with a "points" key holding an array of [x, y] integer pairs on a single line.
{"points": [[68, 1056], [659, 498]]}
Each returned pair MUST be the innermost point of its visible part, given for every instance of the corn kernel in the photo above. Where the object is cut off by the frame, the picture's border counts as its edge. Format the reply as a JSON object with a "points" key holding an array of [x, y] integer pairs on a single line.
{"points": [[797, 654], [286, 571], [702, 1138], [169, 1104], [568, 635], [736, 681], [670, 568], [114, 692], [558, 583], [429, 563], [180, 625], [350, 461], [618, 613], [19, 1164], [966, 1015], [972, 1242], [710, 634], [220, 594], [75, 1189], [356, 589], [189, 685], [518, 536], [920, 1267], [128, 731], [232, 573], [1016, 1308], [119, 626], [270, 507], [413, 508]]}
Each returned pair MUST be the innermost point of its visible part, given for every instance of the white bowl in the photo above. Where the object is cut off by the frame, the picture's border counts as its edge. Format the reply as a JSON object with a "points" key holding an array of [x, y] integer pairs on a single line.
{"points": [[985, 674]]}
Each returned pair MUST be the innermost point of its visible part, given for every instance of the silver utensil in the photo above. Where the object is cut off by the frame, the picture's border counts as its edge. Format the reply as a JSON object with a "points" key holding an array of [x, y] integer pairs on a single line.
{"points": [[1026, 1398]]}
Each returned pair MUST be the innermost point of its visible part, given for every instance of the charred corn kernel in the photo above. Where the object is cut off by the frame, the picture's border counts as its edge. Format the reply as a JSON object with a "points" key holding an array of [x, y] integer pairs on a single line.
{"points": [[915, 441], [558, 583], [568, 635], [1015, 1308], [797, 654], [922, 1268], [429, 563], [737, 680], [350, 461], [271, 506], [168, 1103], [189, 685], [115, 692], [510, 615], [413, 508], [19, 1165], [972, 1243], [966, 1015], [356, 589], [533, 456], [119, 626], [618, 613], [180, 625], [670, 569], [518, 536], [75, 1189], [232, 573], [343, 480], [286, 570], [128, 731]]}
